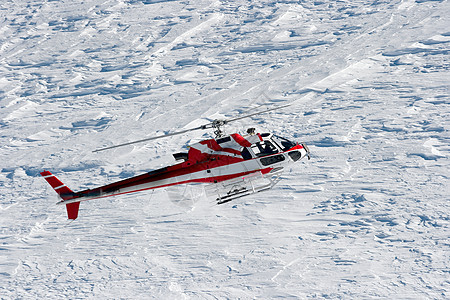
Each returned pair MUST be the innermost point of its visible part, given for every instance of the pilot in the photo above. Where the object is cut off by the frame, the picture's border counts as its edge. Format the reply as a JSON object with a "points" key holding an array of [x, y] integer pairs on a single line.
{"points": [[268, 149]]}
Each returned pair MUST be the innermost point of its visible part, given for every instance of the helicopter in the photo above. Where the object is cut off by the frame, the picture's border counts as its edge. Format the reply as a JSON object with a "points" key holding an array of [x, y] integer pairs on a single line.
{"points": [[229, 166]]}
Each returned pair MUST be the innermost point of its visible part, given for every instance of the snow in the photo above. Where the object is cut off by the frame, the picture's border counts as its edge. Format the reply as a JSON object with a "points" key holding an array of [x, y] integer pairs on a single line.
{"points": [[366, 217]]}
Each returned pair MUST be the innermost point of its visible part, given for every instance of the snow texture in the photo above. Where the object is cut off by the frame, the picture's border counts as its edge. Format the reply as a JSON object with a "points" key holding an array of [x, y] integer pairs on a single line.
{"points": [[367, 217]]}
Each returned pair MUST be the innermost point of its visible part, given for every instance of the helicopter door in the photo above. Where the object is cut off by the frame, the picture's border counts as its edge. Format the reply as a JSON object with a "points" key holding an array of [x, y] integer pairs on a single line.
{"points": [[227, 169], [267, 153]]}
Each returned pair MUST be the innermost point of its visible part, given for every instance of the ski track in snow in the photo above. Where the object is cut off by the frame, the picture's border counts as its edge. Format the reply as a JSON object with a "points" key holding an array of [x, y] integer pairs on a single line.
{"points": [[366, 217]]}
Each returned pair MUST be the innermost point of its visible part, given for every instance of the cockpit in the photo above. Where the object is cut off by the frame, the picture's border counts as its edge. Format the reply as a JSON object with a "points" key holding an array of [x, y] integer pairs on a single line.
{"points": [[283, 143], [266, 147], [270, 144]]}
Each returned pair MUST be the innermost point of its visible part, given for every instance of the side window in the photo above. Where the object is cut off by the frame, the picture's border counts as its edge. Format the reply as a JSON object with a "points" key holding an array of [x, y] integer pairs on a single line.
{"points": [[246, 154], [295, 155], [265, 161], [264, 148]]}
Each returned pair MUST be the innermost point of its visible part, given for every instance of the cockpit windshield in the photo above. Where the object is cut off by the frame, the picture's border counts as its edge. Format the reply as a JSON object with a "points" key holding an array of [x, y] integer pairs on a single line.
{"points": [[264, 148], [283, 143]]}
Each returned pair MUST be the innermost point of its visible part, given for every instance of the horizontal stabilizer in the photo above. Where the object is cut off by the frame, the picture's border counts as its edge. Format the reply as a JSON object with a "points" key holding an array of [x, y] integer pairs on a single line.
{"points": [[64, 192]]}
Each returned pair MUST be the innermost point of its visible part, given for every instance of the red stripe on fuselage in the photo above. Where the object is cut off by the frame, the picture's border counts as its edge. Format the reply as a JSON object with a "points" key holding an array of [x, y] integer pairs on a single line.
{"points": [[298, 146], [241, 140], [184, 168], [213, 145], [199, 180]]}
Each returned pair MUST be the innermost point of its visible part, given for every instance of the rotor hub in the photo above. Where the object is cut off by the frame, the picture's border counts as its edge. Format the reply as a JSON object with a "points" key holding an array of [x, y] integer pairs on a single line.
{"points": [[217, 125]]}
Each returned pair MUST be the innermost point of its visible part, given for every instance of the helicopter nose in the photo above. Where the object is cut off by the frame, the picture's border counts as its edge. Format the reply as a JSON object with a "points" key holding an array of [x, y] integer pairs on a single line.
{"points": [[300, 152], [306, 150]]}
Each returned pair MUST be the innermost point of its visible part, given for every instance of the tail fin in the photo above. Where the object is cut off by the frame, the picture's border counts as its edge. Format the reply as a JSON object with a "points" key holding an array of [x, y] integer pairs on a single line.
{"points": [[64, 192]]}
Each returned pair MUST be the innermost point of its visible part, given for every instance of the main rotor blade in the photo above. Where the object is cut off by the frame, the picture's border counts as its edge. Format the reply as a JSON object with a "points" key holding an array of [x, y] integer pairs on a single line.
{"points": [[152, 138], [214, 124]]}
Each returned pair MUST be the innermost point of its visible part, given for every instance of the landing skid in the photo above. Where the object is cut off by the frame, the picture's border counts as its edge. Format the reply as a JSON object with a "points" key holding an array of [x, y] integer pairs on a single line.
{"points": [[224, 192]]}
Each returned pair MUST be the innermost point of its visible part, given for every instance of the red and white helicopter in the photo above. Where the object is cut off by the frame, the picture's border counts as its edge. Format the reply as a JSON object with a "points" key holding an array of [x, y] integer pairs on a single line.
{"points": [[230, 166]]}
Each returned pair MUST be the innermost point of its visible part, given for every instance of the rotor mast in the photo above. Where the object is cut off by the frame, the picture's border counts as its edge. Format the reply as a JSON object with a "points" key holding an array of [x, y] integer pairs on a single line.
{"points": [[217, 125]]}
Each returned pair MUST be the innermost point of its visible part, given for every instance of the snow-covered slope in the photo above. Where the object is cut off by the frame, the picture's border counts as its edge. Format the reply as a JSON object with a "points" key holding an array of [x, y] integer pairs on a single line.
{"points": [[366, 217]]}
